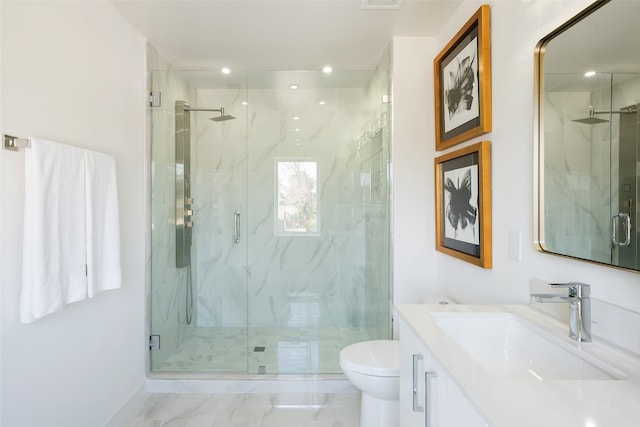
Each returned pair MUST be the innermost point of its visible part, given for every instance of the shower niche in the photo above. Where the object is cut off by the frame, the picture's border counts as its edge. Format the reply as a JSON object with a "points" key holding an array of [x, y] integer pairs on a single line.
{"points": [[269, 252]]}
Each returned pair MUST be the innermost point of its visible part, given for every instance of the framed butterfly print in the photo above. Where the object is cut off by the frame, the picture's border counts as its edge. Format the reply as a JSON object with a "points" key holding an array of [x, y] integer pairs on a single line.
{"points": [[463, 204], [462, 73]]}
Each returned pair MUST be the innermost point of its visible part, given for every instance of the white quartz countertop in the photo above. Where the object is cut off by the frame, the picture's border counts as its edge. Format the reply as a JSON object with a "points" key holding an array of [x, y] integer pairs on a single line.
{"points": [[534, 403]]}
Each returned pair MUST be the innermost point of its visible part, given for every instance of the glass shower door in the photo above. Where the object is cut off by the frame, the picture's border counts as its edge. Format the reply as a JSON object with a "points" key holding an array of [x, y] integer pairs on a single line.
{"points": [[198, 308], [220, 234]]}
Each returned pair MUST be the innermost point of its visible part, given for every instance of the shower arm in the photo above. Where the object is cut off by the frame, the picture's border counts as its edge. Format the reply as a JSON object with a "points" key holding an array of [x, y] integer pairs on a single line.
{"points": [[624, 111], [217, 110], [223, 117]]}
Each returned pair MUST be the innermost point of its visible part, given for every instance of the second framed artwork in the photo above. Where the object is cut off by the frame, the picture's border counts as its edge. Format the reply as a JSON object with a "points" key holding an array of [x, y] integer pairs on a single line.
{"points": [[463, 204], [462, 72]]}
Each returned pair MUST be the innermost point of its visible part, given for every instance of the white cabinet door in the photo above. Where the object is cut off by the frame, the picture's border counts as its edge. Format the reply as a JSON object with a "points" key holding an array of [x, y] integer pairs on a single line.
{"points": [[428, 396], [414, 358], [447, 405]]}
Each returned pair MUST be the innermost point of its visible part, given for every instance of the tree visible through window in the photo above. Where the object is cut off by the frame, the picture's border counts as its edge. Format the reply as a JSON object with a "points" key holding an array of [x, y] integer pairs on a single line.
{"points": [[297, 197]]}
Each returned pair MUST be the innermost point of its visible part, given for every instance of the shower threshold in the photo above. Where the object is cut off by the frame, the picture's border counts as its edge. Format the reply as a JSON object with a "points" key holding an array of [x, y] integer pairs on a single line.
{"points": [[247, 383], [232, 352]]}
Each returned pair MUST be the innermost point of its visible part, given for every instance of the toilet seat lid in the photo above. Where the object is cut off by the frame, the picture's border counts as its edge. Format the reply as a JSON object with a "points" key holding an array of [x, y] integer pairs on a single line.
{"points": [[378, 358]]}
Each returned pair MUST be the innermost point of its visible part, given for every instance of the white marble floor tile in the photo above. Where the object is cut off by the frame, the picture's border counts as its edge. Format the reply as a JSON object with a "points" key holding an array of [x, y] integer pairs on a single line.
{"points": [[245, 410]]}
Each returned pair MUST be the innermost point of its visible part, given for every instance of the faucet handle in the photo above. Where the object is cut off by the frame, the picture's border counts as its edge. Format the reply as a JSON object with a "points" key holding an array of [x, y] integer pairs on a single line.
{"points": [[576, 289]]}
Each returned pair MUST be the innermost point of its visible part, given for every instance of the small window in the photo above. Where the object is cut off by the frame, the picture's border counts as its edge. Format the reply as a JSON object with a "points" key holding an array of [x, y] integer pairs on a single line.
{"points": [[297, 197]]}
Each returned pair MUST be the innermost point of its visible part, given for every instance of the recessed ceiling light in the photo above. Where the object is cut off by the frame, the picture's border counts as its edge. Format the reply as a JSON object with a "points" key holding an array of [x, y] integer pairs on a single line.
{"points": [[225, 70], [590, 74], [297, 130], [327, 69], [245, 103], [322, 102], [293, 86], [296, 118]]}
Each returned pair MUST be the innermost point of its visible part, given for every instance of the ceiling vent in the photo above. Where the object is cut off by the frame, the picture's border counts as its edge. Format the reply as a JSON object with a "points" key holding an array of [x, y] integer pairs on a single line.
{"points": [[381, 4]]}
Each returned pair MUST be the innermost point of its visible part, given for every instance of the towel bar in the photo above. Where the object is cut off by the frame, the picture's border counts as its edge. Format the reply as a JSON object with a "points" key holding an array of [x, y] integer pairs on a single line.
{"points": [[12, 143]]}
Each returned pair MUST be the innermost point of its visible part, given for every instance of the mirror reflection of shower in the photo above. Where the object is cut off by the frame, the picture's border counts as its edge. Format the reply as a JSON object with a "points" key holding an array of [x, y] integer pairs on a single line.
{"points": [[592, 167], [588, 87]]}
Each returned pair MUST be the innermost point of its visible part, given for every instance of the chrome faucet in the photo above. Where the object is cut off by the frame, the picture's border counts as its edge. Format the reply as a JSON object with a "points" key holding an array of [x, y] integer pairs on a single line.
{"points": [[579, 306]]}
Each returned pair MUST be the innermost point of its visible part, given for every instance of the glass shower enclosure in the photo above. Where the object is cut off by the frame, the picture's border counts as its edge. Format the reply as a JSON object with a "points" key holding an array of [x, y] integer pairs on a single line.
{"points": [[270, 219]]}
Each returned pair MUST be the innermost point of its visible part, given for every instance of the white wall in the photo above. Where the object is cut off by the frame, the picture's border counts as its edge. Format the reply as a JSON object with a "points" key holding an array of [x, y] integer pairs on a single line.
{"points": [[412, 153], [517, 26], [73, 72], [2, 207]]}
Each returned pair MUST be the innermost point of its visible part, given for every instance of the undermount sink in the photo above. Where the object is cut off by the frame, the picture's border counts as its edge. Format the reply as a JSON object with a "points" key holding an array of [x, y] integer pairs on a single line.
{"points": [[506, 346]]}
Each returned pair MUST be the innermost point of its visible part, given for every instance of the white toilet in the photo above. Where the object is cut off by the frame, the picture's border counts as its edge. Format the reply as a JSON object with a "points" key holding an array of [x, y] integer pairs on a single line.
{"points": [[374, 368]]}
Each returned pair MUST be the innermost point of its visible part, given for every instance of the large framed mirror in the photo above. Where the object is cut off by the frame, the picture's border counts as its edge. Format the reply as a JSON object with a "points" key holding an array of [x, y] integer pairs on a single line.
{"points": [[587, 104]]}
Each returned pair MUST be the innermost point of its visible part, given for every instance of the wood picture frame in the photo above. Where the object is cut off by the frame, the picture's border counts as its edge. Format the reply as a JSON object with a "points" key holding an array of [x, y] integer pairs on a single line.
{"points": [[463, 204], [462, 74]]}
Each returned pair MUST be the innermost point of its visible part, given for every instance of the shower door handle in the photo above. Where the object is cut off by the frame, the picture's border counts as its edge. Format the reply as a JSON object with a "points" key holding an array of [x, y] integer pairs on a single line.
{"points": [[614, 228], [236, 227]]}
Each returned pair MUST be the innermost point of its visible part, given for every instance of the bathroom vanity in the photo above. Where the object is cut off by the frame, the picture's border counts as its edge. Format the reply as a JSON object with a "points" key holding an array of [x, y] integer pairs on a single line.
{"points": [[428, 395], [506, 366]]}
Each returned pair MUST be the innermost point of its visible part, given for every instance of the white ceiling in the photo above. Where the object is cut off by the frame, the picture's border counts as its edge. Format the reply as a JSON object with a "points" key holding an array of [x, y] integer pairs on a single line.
{"points": [[279, 34]]}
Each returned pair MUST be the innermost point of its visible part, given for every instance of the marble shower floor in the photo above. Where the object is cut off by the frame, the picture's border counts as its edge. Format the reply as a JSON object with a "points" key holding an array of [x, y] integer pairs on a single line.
{"points": [[263, 350], [245, 410]]}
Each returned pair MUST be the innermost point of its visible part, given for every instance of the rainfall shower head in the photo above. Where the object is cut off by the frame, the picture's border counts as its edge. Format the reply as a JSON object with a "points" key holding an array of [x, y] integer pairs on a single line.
{"points": [[592, 119], [222, 118]]}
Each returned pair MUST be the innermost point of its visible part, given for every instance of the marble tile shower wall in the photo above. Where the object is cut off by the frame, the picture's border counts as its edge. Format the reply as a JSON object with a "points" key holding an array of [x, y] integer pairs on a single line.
{"points": [[293, 281], [169, 283]]}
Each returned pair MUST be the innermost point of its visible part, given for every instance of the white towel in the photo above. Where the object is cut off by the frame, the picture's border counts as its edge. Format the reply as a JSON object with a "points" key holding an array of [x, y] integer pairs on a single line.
{"points": [[54, 245], [71, 246], [103, 226]]}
